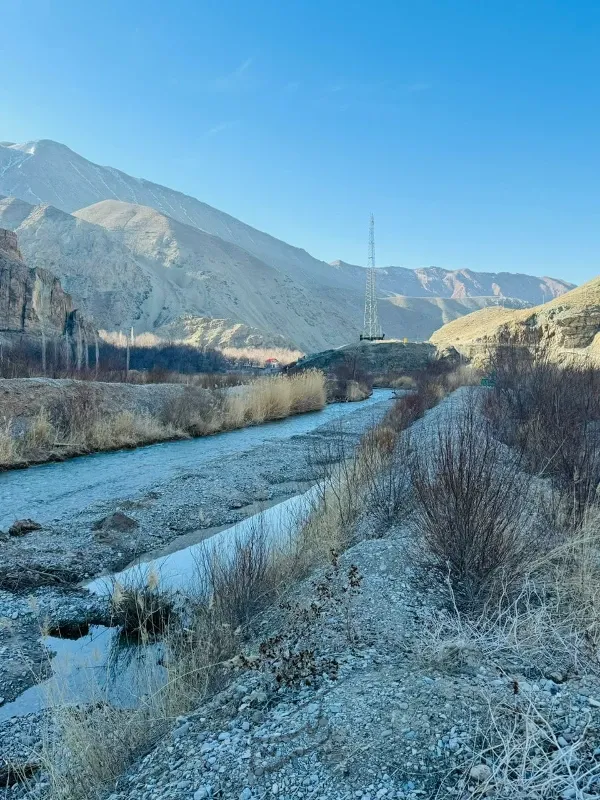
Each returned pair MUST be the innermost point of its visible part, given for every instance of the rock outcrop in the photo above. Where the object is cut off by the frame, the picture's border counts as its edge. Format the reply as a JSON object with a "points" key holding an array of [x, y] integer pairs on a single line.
{"points": [[568, 328], [32, 301]]}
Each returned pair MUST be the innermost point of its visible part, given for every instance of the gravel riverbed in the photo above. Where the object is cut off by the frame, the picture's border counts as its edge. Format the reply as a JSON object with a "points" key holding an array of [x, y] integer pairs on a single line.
{"points": [[40, 572]]}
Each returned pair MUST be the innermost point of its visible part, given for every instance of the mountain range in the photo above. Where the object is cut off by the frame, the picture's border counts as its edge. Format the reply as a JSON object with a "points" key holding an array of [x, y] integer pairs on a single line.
{"points": [[136, 254]]}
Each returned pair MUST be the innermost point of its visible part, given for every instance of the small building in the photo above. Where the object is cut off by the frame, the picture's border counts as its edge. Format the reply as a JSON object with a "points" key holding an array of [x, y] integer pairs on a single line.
{"points": [[272, 365]]}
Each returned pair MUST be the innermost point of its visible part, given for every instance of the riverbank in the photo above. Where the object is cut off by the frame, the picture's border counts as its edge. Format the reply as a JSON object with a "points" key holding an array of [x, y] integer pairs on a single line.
{"points": [[171, 495], [47, 420], [371, 678]]}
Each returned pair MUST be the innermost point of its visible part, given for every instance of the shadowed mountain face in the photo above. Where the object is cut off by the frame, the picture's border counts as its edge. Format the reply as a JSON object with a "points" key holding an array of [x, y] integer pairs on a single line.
{"points": [[134, 253]]}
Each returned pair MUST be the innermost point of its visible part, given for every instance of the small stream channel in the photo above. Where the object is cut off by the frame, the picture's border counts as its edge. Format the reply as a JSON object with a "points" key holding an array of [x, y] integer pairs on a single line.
{"points": [[99, 665], [47, 492]]}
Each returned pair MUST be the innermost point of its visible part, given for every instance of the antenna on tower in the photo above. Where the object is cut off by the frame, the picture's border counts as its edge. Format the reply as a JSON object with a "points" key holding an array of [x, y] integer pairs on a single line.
{"points": [[371, 327]]}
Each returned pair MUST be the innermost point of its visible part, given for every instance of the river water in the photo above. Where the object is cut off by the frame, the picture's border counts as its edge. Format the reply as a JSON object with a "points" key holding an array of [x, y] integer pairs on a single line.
{"points": [[47, 492]]}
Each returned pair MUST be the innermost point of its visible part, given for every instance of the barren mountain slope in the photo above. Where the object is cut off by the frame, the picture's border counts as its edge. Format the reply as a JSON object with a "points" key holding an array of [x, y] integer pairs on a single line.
{"points": [[103, 276], [142, 269], [309, 302], [568, 325], [48, 172], [221, 280]]}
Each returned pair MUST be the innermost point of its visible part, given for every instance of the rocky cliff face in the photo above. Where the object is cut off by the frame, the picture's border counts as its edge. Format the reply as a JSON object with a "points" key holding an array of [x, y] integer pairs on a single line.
{"points": [[32, 301], [568, 327]]}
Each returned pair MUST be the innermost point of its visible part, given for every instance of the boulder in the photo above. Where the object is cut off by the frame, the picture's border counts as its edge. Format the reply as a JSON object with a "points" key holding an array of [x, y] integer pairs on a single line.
{"points": [[115, 522], [22, 526]]}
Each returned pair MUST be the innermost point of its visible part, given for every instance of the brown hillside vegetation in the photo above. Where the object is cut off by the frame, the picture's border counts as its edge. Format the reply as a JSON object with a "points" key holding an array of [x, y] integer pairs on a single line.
{"points": [[568, 327]]}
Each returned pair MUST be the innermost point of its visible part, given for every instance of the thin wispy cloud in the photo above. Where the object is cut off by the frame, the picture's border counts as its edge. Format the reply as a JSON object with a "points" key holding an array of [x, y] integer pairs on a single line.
{"points": [[418, 86], [236, 79], [220, 127]]}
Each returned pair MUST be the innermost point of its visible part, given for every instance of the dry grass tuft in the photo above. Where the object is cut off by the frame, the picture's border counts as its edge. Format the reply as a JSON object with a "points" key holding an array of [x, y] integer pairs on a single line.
{"points": [[8, 445]]}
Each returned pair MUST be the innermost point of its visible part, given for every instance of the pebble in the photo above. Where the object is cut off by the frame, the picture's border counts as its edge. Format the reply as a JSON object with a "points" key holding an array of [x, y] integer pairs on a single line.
{"points": [[480, 772]]}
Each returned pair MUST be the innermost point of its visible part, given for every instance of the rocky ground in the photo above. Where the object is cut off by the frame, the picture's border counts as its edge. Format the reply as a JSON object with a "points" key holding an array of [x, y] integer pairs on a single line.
{"points": [[393, 709], [395, 723], [404, 712]]}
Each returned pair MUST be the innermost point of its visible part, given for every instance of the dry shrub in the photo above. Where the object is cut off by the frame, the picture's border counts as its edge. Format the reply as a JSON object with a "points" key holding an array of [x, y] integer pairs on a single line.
{"points": [[552, 415], [276, 397], [381, 438], [404, 382], [269, 398], [356, 392], [308, 391], [472, 520], [76, 412], [196, 411], [40, 434], [234, 590], [87, 749], [390, 495], [140, 609], [8, 445], [126, 429], [405, 411], [236, 414]]}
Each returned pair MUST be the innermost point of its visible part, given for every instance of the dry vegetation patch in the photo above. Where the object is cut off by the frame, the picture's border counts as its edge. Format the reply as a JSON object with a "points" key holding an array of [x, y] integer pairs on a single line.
{"points": [[76, 423]]}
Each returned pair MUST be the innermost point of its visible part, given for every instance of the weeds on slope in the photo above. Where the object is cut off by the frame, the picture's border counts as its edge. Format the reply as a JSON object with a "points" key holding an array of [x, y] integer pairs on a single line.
{"points": [[507, 520], [551, 414]]}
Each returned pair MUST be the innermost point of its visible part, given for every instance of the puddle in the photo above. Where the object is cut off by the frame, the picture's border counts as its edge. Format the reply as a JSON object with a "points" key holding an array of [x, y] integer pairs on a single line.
{"points": [[99, 665]]}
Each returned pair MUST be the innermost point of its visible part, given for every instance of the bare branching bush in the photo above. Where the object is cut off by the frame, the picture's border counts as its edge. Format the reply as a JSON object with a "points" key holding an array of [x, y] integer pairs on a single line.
{"points": [[552, 415], [196, 411], [472, 519]]}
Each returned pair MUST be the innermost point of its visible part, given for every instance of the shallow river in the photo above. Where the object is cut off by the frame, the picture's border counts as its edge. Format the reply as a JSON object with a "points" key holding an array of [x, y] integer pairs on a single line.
{"points": [[49, 491], [97, 665]]}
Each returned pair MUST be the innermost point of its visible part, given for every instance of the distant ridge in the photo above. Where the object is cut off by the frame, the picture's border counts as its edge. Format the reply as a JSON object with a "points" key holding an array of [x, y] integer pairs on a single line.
{"points": [[135, 253]]}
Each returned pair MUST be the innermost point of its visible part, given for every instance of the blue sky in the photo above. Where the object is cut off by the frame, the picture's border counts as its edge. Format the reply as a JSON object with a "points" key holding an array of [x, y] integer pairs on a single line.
{"points": [[471, 128]]}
